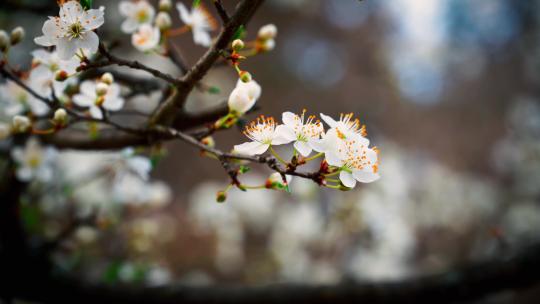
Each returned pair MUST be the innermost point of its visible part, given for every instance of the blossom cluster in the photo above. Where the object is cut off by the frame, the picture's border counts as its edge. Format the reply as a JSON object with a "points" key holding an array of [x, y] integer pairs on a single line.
{"points": [[149, 29], [344, 144]]}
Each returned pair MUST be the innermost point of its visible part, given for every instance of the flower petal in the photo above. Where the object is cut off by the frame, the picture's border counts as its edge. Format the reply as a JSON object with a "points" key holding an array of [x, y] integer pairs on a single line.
{"points": [[89, 42], [92, 19], [202, 37], [251, 148], [290, 119], [283, 135], [347, 179], [66, 48], [365, 176], [303, 147], [329, 120], [95, 112]]}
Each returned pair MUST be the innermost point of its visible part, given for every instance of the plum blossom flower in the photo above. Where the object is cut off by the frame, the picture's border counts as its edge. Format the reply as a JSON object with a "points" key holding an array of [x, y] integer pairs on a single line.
{"points": [[345, 147], [302, 132], [263, 132], [52, 61], [88, 97], [15, 100], [137, 13], [34, 161], [72, 30], [146, 38], [199, 21], [244, 96]]}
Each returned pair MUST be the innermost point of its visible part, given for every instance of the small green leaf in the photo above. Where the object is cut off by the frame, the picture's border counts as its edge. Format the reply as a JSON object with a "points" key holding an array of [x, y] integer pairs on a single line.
{"points": [[214, 90], [243, 169], [196, 3], [240, 33], [86, 4]]}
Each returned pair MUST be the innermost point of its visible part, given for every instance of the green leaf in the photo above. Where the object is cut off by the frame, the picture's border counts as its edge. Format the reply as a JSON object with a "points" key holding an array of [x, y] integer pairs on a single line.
{"points": [[243, 169], [240, 32], [214, 90], [196, 3], [86, 4]]}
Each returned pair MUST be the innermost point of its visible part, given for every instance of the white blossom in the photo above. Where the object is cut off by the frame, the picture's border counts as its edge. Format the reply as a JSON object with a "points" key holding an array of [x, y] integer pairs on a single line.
{"points": [[21, 123], [15, 100], [268, 31], [53, 62], [302, 132], [34, 161], [146, 38], [137, 13], [72, 30], [199, 21], [88, 97], [244, 96], [263, 132]]}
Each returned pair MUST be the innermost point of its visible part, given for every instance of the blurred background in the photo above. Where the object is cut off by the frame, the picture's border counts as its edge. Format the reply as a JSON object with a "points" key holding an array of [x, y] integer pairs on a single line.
{"points": [[449, 91]]}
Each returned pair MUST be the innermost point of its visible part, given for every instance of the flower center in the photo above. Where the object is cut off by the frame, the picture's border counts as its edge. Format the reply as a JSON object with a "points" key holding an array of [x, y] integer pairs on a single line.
{"points": [[142, 16], [75, 30], [34, 161]]}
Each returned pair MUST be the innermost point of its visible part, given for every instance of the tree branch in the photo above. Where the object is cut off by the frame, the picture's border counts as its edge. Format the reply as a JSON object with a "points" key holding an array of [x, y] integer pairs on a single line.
{"points": [[467, 283], [166, 113]]}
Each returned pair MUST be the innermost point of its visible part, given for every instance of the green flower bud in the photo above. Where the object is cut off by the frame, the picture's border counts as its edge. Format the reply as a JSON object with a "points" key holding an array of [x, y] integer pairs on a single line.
{"points": [[17, 35]]}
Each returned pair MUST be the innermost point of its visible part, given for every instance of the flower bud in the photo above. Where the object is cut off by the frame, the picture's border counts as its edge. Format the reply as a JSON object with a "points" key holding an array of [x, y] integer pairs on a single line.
{"points": [[60, 75], [275, 181], [245, 76], [268, 31], [4, 131], [239, 101], [208, 141], [4, 41], [165, 5], [17, 35], [163, 21], [21, 124], [221, 196], [101, 89], [60, 117], [107, 78], [238, 45], [267, 45]]}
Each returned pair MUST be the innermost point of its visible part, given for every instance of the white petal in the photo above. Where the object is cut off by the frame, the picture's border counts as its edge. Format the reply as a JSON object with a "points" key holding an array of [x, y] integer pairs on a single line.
{"points": [[365, 176], [329, 120], [90, 42], [302, 147], [44, 173], [202, 38], [88, 88], [43, 40], [318, 145], [24, 174], [239, 101], [42, 56], [113, 104], [347, 179], [66, 48], [129, 26], [184, 14], [92, 19], [83, 100], [251, 148], [95, 112], [333, 159], [72, 10], [283, 135], [289, 119], [125, 8], [17, 154]]}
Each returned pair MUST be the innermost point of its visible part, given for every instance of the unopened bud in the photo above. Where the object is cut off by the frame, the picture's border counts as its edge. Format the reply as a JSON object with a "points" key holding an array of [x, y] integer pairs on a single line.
{"points": [[165, 5], [4, 41], [107, 78], [61, 75], [4, 131], [267, 45], [101, 89], [17, 35], [275, 181], [237, 45], [221, 196], [268, 31], [163, 21], [60, 117], [245, 76], [21, 124], [208, 141]]}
